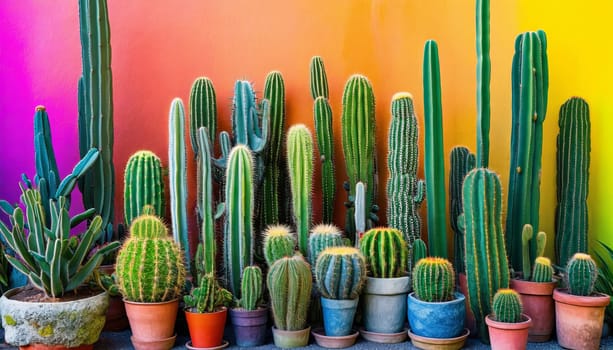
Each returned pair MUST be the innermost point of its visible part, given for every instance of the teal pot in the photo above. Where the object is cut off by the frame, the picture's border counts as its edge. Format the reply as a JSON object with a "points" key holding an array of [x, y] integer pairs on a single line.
{"points": [[69, 323], [338, 316], [385, 304], [290, 339], [437, 320], [249, 326]]}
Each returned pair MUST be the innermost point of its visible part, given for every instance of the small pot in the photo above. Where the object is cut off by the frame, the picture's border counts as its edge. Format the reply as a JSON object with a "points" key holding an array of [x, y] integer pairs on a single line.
{"points": [[537, 301], [385, 304], [437, 320], [334, 342], [338, 316], [290, 339], [152, 323], [249, 326], [206, 328], [505, 335]]}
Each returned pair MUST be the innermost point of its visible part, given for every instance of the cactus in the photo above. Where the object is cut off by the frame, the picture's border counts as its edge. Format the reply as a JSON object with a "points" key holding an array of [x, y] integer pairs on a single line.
{"points": [[208, 296], [143, 185], [433, 280], [150, 246], [530, 85], [319, 79], [573, 166], [462, 161], [239, 240], [177, 174], [543, 271], [202, 111], [541, 242], [385, 251], [486, 262], [419, 251], [300, 165], [340, 273], [526, 236], [95, 92], [581, 274], [278, 243], [359, 205], [484, 68], [506, 306], [323, 236], [404, 192], [251, 288], [205, 199], [434, 164], [289, 281]]}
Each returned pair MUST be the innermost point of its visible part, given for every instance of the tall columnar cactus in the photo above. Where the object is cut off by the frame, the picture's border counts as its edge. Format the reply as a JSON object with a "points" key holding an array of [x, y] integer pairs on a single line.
{"points": [[462, 161], [143, 185], [205, 200], [177, 174], [529, 89], [486, 261], [526, 235], [279, 242], [96, 111], [404, 191], [323, 236], [319, 78], [434, 159], [289, 281], [419, 251], [300, 166], [543, 271], [484, 70], [573, 167], [251, 288], [239, 193], [359, 208], [385, 251], [340, 273], [202, 111], [433, 280], [149, 245], [581, 274], [358, 131], [506, 306]]}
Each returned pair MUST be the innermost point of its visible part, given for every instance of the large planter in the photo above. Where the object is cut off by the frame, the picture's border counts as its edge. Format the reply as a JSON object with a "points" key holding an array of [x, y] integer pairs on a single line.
{"points": [[537, 301], [290, 339], [338, 316], [152, 324], [249, 326], [385, 305], [579, 319], [206, 328], [437, 320], [505, 335], [65, 323]]}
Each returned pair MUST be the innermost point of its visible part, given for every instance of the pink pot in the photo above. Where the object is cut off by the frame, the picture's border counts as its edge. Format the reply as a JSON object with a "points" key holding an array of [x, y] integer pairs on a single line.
{"points": [[537, 300], [507, 336]]}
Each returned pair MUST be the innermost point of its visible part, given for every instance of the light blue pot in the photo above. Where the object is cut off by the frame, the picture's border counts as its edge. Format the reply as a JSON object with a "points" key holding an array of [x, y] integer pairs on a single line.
{"points": [[338, 316], [437, 320], [385, 304]]}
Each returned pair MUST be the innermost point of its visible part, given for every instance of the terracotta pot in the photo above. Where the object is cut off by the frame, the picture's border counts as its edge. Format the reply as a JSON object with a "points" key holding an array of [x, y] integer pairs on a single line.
{"points": [[579, 319], [55, 347], [469, 321], [426, 343], [206, 329], [152, 322], [334, 342], [505, 335], [537, 300]]}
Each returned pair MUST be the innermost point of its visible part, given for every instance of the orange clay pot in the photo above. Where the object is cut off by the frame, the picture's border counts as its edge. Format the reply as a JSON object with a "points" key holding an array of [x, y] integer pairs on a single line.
{"points": [[206, 329], [505, 336], [152, 323], [537, 301]]}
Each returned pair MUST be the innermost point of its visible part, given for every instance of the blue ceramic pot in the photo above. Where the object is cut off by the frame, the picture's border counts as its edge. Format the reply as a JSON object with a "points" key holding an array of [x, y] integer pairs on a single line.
{"points": [[437, 320], [338, 316]]}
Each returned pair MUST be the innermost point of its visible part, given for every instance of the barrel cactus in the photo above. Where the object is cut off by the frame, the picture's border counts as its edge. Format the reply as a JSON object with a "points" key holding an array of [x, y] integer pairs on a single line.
{"points": [[279, 242], [143, 185], [340, 272], [323, 236], [581, 274], [542, 271], [506, 306], [433, 280], [251, 288], [385, 251]]}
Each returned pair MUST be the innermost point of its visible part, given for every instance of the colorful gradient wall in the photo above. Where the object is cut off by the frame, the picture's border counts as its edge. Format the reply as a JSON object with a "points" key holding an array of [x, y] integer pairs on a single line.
{"points": [[160, 47]]}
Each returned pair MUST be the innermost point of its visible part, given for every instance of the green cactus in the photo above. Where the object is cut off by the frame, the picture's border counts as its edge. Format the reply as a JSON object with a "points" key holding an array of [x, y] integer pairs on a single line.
{"points": [[543, 271], [486, 261], [202, 111], [359, 205], [319, 79], [529, 90], [251, 288], [541, 242], [246, 117], [462, 161], [484, 73], [581, 274], [208, 296], [208, 242], [289, 282], [385, 251], [506, 306], [419, 251], [526, 236], [143, 185], [300, 166], [150, 246], [434, 158], [340, 273], [433, 280], [573, 167], [405, 192], [279, 242], [323, 236]]}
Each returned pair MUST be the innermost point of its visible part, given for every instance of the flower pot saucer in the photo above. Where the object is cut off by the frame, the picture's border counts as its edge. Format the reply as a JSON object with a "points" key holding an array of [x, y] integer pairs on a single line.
{"points": [[331, 342], [156, 344], [426, 343], [385, 338], [224, 344]]}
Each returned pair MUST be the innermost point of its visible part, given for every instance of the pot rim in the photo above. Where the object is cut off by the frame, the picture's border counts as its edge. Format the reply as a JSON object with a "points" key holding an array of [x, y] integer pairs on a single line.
{"points": [[560, 295], [221, 309], [525, 323], [459, 297], [126, 301], [11, 292]]}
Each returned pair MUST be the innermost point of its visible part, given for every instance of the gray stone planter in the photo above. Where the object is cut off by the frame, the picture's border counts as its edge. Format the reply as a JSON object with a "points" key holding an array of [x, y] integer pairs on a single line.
{"points": [[385, 304]]}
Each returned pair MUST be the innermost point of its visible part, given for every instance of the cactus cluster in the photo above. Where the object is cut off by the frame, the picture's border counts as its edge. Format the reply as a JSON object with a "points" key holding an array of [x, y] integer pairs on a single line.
{"points": [[323, 236], [581, 274], [433, 280], [527, 236], [542, 270], [208, 296], [251, 288], [385, 251], [461, 162], [506, 306], [340, 273], [143, 185], [279, 242]]}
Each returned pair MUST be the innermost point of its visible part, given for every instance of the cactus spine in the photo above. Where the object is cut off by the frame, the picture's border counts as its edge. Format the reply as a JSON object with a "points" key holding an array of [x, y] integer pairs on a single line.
{"points": [[404, 192], [506, 306], [462, 161], [205, 199], [543, 271], [530, 85], [581, 272], [323, 236], [419, 251], [251, 288], [143, 185], [434, 164], [278, 243], [202, 111], [385, 251], [573, 166], [300, 166], [340, 273], [484, 68], [433, 280], [486, 261]]}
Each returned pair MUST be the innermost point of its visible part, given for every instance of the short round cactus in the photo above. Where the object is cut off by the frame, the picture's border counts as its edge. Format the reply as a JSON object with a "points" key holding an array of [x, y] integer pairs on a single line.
{"points": [[340, 272], [323, 236], [251, 287], [385, 251], [433, 280], [581, 274], [543, 271], [278, 242], [506, 306], [150, 265]]}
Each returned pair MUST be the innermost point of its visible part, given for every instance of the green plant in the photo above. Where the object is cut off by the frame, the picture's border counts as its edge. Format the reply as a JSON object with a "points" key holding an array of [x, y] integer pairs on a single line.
{"points": [[385, 251], [433, 280], [323, 236], [208, 296], [506, 306], [202, 111], [462, 161], [4, 271], [434, 158], [604, 283], [526, 236], [208, 245], [279, 242], [581, 274], [340, 273], [150, 265], [143, 185], [54, 261], [419, 251], [251, 288], [484, 68], [289, 282], [543, 271], [319, 78], [573, 166]]}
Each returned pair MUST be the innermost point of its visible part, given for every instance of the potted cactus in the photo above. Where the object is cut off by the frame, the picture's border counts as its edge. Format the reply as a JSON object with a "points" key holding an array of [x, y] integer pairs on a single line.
{"points": [[385, 294], [340, 273], [436, 312], [580, 310], [150, 273], [507, 325], [250, 317]]}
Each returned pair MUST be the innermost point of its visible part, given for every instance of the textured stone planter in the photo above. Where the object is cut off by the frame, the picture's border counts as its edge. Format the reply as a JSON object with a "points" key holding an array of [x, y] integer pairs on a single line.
{"points": [[385, 304], [537, 301], [437, 320]]}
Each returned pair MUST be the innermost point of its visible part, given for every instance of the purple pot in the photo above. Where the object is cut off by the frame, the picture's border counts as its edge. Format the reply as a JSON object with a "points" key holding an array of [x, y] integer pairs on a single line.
{"points": [[249, 326]]}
